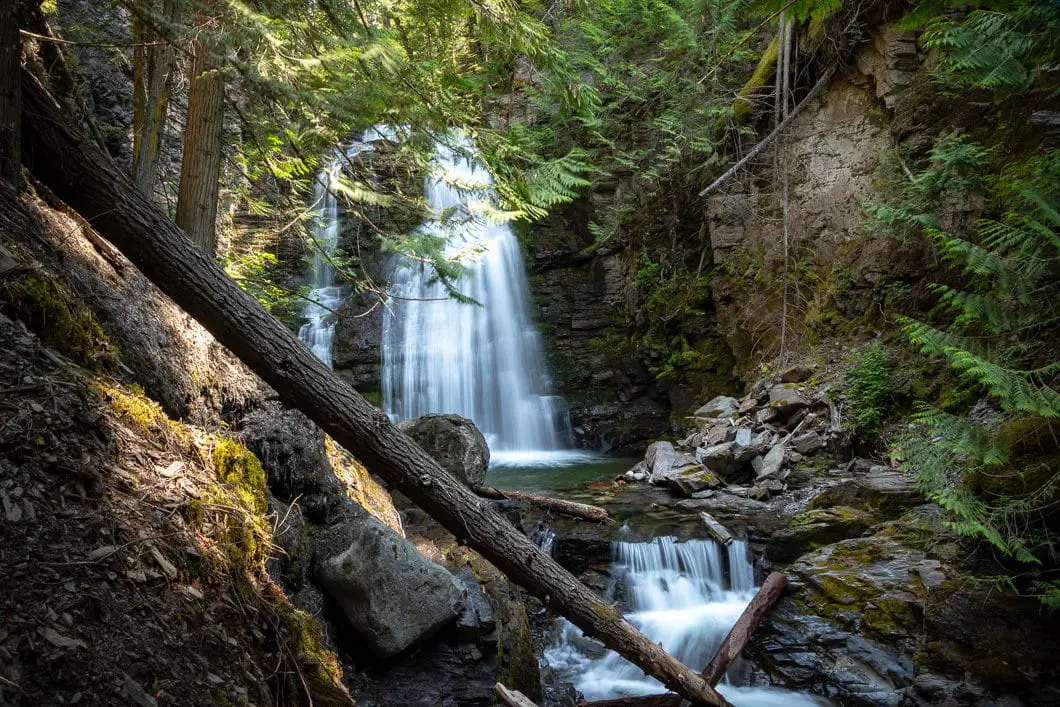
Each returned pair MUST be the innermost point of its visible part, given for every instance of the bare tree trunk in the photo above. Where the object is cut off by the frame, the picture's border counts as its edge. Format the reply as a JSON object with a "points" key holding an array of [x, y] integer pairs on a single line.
{"points": [[559, 505], [785, 67], [153, 62], [10, 94], [200, 169], [81, 174]]}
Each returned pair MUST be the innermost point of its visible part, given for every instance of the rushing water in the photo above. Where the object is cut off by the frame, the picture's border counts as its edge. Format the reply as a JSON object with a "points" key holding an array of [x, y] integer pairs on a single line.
{"points": [[318, 331], [684, 595], [483, 362]]}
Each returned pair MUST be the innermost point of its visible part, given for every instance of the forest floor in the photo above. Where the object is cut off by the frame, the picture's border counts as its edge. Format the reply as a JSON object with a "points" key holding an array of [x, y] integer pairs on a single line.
{"points": [[115, 588]]}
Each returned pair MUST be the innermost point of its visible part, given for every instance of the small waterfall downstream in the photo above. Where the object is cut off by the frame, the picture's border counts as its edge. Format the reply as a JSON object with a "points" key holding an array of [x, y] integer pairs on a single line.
{"points": [[484, 362], [684, 595]]}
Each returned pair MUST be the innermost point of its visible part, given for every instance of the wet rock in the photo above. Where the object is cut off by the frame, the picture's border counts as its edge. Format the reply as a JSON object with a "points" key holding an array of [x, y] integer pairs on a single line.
{"points": [[517, 667], [807, 442], [720, 407], [815, 528], [392, 595], [454, 442], [883, 490], [477, 619], [577, 554], [787, 398]]}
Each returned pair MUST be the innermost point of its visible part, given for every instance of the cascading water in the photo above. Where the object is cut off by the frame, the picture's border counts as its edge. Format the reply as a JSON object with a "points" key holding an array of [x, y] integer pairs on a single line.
{"points": [[326, 297], [683, 595], [484, 362]]}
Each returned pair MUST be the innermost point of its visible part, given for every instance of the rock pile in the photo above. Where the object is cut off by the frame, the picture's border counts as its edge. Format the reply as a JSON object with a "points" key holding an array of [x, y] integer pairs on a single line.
{"points": [[749, 446]]}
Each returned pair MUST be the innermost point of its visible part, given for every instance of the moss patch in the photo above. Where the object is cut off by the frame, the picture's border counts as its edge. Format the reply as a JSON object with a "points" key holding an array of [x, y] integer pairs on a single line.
{"points": [[60, 320]]}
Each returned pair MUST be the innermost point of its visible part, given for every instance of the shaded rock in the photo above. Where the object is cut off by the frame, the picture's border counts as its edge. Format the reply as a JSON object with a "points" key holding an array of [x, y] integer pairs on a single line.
{"points": [[392, 595], [517, 666], [477, 619], [718, 434], [815, 528], [292, 452], [768, 466], [747, 405], [577, 554], [765, 415], [807, 442], [766, 488], [796, 374], [454, 442], [786, 399], [721, 458], [290, 565], [883, 490], [720, 407]]}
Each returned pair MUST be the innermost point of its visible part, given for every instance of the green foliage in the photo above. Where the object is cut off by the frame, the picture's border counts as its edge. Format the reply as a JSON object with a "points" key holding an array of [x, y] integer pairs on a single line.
{"points": [[868, 387], [996, 326], [1005, 50], [257, 272]]}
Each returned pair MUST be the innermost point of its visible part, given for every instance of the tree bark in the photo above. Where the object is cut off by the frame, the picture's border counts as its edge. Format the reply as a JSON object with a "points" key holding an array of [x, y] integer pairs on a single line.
{"points": [[82, 175], [570, 508], [10, 94], [153, 62], [200, 168], [737, 639]]}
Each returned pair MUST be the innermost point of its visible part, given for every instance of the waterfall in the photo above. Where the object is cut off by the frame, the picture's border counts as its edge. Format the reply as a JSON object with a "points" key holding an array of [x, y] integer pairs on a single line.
{"points": [[325, 296], [684, 595], [483, 362]]}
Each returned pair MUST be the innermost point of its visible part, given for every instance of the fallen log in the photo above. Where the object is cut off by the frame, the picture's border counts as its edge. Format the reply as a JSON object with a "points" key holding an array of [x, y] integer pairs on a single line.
{"points": [[570, 508], [716, 530], [737, 639], [757, 149], [81, 174], [512, 698]]}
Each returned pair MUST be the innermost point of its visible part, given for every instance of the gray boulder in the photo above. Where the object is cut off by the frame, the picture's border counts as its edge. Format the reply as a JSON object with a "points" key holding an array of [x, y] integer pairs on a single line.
{"points": [[720, 407], [807, 442], [454, 442], [786, 398], [721, 458], [768, 467], [660, 459], [393, 596]]}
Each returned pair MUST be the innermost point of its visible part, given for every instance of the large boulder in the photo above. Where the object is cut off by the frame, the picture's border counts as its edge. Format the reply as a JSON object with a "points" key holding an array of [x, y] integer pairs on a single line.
{"points": [[883, 490], [393, 596], [454, 442], [816, 528], [786, 398], [661, 458]]}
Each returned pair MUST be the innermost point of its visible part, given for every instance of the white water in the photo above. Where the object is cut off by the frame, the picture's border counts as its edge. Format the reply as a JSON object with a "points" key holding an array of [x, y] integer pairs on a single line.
{"points": [[484, 362], [683, 595]]}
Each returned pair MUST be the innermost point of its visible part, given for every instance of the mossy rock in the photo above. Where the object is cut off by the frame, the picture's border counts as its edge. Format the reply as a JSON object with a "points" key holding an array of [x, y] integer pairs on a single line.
{"points": [[60, 320], [884, 492], [816, 528]]}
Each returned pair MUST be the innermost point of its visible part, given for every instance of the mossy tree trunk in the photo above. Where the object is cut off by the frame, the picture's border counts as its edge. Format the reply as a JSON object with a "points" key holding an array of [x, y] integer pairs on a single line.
{"points": [[10, 93], [153, 63], [80, 173], [200, 169]]}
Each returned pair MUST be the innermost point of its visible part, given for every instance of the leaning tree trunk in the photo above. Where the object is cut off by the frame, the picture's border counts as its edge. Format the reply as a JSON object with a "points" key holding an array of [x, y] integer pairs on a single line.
{"points": [[200, 169], [78, 172], [10, 94], [153, 62]]}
